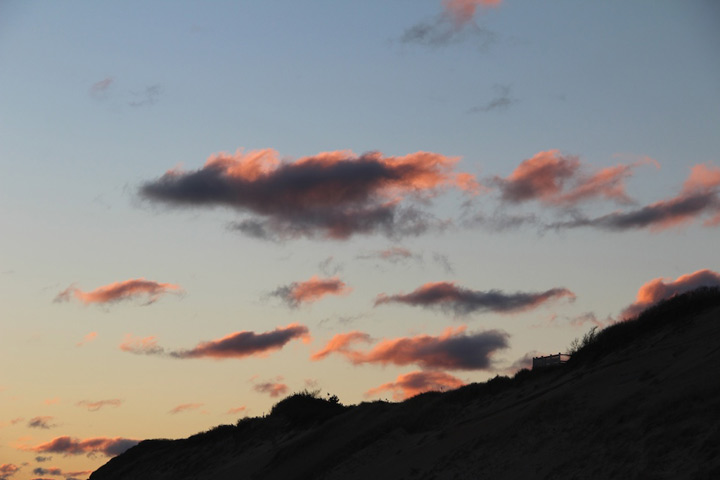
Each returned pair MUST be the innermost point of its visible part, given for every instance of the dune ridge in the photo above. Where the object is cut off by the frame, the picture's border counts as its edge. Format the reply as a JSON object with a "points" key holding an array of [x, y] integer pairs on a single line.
{"points": [[639, 399]]}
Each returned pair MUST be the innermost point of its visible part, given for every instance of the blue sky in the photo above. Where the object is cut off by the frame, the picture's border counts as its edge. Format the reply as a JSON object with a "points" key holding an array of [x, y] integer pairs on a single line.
{"points": [[98, 99]]}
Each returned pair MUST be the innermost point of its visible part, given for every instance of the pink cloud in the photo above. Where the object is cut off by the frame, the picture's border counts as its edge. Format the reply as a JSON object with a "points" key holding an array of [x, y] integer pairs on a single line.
{"points": [[7, 470], [454, 349], [235, 345], [341, 343], [235, 410], [95, 406], [73, 446], [311, 290], [332, 194], [87, 339], [185, 407], [463, 11], [244, 344], [698, 197], [141, 346], [411, 384], [557, 179], [120, 291], [659, 289]]}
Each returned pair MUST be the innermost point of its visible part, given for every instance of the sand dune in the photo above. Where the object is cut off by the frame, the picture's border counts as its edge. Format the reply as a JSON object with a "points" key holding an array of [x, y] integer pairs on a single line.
{"points": [[646, 408]]}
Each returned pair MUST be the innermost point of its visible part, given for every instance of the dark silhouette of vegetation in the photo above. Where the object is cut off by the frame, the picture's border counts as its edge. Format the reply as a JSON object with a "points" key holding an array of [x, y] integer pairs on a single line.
{"points": [[583, 342], [675, 312], [307, 407]]}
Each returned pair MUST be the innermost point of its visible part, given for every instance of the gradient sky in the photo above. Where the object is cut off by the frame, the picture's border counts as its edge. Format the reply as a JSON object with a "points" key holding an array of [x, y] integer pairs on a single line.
{"points": [[180, 250]]}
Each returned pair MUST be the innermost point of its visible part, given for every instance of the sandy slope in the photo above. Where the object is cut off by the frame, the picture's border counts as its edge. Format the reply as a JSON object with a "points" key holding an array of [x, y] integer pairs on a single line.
{"points": [[649, 411]]}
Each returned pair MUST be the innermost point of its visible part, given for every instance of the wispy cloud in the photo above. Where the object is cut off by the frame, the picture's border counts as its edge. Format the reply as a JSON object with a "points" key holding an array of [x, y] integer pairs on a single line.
{"points": [[141, 346], [462, 301], [342, 343], [94, 406], [410, 384], [87, 339], [58, 472], [185, 407], [699, 197], [501, 101], [659, 289], [147, 96], [274, 389], [74, 446], [562, 180], [454, 349], [235, 345], [100, 89], [395, 254], [236, 410], [452, 25], [41, 422], [330, 266], [331, 195], [120, 291], [297, 293]]}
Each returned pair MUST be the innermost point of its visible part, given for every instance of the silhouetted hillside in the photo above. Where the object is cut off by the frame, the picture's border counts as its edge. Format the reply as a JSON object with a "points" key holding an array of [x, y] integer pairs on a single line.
{"points": [[639, 399]]}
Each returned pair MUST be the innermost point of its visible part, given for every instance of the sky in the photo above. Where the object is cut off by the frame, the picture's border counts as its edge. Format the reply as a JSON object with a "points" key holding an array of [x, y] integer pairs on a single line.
{"points": [[208, 206]]}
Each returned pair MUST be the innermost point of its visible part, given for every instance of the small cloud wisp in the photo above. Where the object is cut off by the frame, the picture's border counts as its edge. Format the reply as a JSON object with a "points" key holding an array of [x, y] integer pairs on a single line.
{"points": [[120, 291], [297, 293]]}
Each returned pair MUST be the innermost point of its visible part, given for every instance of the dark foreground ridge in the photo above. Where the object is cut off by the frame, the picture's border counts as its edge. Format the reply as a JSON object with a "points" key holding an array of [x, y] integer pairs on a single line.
{"points": [[639, 399]]}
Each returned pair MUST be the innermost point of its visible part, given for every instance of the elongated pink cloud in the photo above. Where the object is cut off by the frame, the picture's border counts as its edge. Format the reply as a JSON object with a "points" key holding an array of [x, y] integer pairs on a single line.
{"points": [[332, 194], [452, 350], [185, 407], [463, 11], [557, 179], [659, 289], [97, 405], [74, 446], [462, 301], [244, 344], [235, 410], [87, 339], [120, 291], [310, 290], [699, 197], [341, 343], [234, 345], [141, 346], [410, 384], [274, 389]]}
